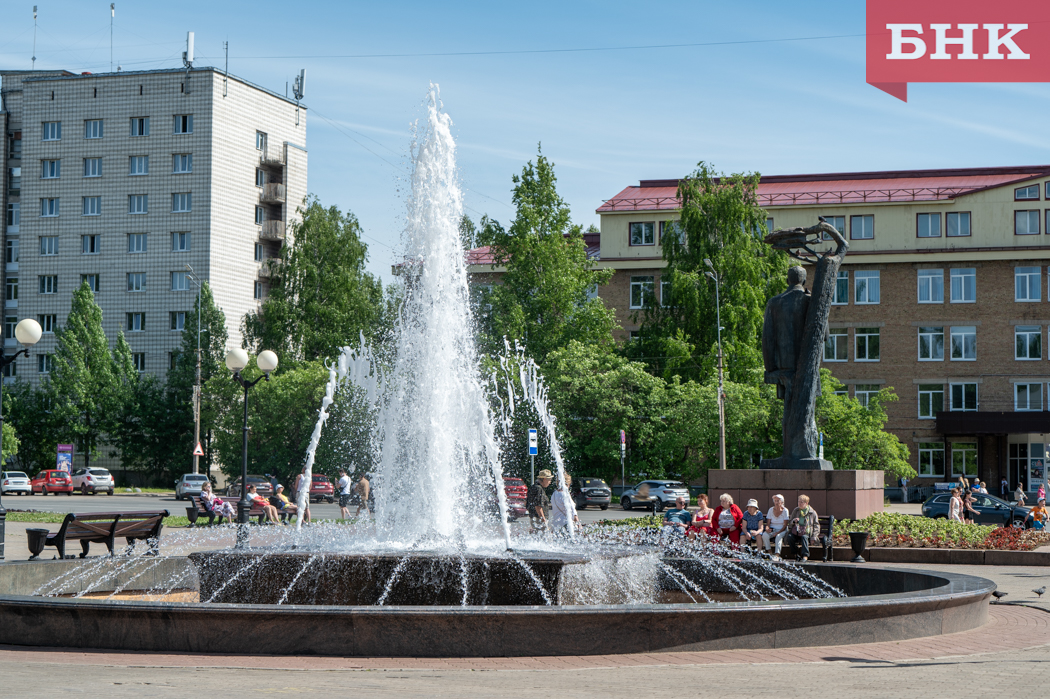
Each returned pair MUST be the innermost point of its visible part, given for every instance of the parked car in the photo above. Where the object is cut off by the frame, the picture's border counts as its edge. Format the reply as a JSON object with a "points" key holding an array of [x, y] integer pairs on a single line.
{"points": [[321, 488], [516, 491], [92, 480], [591, 491], [662, 494], [52, 482], [262, 487], [638, 496], [14, 482], [189, 484], [990, 510]]}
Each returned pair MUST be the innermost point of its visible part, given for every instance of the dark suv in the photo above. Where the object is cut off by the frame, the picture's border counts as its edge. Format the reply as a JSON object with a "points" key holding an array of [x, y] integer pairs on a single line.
{"points": [[990, 510], [591, 491]]}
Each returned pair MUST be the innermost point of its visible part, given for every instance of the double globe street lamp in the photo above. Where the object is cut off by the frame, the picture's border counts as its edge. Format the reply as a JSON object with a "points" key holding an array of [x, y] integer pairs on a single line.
{"points": [[27, 332], [236, 360]]}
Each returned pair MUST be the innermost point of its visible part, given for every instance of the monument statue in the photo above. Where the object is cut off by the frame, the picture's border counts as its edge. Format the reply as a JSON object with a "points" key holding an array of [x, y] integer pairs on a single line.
{"points": [[793, 333]]}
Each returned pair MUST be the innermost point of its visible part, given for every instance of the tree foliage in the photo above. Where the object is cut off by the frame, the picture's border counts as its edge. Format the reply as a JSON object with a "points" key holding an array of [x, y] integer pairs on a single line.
{"points": [[28, 411]]}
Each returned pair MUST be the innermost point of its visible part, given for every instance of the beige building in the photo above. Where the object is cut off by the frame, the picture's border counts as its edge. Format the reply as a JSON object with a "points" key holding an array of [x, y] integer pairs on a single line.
{"points": [[123, 179]]}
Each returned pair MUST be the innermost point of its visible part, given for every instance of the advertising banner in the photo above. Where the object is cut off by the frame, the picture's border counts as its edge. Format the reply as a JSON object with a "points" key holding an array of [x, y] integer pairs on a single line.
{"points": [[65, 458]]}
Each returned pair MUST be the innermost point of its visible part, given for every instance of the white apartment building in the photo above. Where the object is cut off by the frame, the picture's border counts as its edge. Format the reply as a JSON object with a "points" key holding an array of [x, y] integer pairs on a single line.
{"points": [[123, 179]]}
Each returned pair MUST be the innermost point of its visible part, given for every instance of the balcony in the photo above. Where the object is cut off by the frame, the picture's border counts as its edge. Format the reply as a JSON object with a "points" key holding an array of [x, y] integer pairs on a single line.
{"points": [[271, 158], [272, 194], [272, 230], [268, 268]]}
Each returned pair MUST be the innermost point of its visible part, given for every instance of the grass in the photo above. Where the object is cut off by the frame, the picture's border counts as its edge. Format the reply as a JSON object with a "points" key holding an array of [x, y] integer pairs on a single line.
{"points": [[162, 491]]}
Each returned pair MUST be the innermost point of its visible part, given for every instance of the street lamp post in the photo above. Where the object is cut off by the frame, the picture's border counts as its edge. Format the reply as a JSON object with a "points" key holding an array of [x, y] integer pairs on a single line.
{"points": [[27, 332], [721, 388], [236, 360], [197, 382]]}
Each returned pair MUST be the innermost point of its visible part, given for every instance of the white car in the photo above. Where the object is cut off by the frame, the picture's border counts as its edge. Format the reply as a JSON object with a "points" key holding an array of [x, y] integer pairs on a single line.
{"points": [[92, 480], [189, 484], [15, 482]]}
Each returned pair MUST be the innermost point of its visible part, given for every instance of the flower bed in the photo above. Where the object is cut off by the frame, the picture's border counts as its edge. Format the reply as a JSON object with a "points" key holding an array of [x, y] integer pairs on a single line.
{"points": [[908, 531]]}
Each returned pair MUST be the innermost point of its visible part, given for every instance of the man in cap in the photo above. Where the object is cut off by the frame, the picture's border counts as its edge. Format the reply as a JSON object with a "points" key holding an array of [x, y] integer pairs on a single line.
{"points": [[537, 502]]}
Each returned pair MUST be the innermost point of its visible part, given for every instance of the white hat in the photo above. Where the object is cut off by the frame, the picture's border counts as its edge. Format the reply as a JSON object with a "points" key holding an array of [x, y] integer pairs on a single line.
{"points": [[752, 503]]}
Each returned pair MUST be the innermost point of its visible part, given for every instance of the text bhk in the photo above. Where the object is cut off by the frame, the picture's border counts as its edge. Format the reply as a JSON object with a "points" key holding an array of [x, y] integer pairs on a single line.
{"points": [[909, 42]]}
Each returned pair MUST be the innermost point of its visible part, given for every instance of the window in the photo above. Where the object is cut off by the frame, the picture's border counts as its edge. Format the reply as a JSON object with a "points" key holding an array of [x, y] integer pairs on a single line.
{"points": [[140, 126], [1028, 396], [11, 289], [257, 290], [92, 281], [180, 241], [866, 287], [178, 320], [839, 224], [836, 345], [1026, 193], [931, 458], [50, 169], [958, 224], [49, 245], [841, 297], [665, 293], [138, 204], [48, 208], [136, 281], [182, 163], [181, 203], [11, 256], [963, 396], [9, 327], [964, 343], [139, 165], [92, 167], [928, 226], [89, 244], [14, 214], [183, 124], [260, 140], [52, 131], [173, 360], [867, 345], [964, 285], [862, 227], [92, 206], [136, 322], [864, 392], [139, 360], [15, 174], [931, 344], [1028, 342], [260, 178], [260, 215], [964, 459], [44, 363], [1026, 284], [137, 242], [641, 291], [643, 233], [260, 252], [931, 400], [47, 323], [93, 128], [1026, 222], [931, 286], [180, 281], [48, 284]]}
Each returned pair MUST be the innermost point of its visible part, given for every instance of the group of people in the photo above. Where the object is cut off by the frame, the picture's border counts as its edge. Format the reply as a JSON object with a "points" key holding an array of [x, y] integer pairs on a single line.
{"points": [[750, 527], [554, 513], [279, 504]]}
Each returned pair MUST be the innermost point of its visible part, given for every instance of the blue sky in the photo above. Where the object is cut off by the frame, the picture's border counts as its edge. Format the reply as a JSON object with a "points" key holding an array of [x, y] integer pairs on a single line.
{"points": [[606, 118]]}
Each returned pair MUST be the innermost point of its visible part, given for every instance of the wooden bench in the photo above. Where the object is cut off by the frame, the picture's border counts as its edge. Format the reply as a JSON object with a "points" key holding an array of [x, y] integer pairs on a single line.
{"points": [[197, 510], [825, 537], [100, 527]]}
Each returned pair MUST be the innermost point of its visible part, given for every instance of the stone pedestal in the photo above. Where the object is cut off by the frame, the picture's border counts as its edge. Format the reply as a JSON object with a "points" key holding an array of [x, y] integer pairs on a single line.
{"points": [[844, 494], [788, 463]]}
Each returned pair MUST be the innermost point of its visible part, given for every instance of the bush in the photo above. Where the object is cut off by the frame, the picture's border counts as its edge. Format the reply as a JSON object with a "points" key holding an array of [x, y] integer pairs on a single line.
{"points": [[909, 531]]}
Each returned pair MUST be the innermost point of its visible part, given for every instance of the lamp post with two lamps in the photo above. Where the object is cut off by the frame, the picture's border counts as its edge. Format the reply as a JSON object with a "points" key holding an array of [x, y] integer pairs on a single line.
{"points": [[27, 332], [717, 279], [236, 360]]}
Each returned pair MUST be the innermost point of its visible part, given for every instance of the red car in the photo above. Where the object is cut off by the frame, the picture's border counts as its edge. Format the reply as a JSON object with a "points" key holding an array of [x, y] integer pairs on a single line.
{"points": [[516, 490], [322, 489], [52, 482]]}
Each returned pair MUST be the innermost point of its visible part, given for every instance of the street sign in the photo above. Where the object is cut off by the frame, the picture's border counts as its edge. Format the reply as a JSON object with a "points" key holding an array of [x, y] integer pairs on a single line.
{"points": [[198, 451], [534, 441], [623, 443]]}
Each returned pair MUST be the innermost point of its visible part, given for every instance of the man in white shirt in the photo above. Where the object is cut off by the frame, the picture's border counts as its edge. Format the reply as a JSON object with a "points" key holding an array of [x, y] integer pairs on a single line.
{"points": [[344, 494]]}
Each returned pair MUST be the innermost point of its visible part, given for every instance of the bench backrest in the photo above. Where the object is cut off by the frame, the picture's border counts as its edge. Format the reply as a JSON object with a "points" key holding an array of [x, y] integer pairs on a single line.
{"points": [[139, 524]]}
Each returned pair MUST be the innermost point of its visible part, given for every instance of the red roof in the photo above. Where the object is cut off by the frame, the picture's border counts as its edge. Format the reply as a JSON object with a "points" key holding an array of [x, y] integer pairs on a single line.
{"points": [[840, 188], [484, 256]]}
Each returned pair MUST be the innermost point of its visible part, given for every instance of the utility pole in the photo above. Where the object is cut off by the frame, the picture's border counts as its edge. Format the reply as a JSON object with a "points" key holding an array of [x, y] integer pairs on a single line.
{"points": [[197, 382], [721, 386], [34, 37], [112, 14]]}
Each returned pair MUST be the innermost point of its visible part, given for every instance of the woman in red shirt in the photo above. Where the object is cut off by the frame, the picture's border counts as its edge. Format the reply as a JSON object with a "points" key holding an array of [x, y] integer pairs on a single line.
{"points": [[727, 519]]}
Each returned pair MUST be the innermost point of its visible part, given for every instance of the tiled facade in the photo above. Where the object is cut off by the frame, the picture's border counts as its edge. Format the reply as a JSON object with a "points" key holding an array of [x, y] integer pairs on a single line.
{"points": [[127, 195]]}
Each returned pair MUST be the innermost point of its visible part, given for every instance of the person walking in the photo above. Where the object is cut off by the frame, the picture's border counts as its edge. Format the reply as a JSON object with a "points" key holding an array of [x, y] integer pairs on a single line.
{"points": [[536, 501], [1004, 488], [344, 494], [955, 507], [904, 489], [1019, 495], [563, 508], [362, 489]]}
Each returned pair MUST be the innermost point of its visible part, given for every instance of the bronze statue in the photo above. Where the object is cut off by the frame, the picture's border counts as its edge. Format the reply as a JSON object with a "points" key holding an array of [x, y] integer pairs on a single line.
{"points": [[793, 335]]}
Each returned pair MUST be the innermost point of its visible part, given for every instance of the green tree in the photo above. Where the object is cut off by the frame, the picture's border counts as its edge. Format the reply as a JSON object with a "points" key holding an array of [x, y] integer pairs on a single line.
{"points": [[346, 440], [721, 221], [320, 295], [9, 441], [544, 297], [83, 378], [28, 411]]}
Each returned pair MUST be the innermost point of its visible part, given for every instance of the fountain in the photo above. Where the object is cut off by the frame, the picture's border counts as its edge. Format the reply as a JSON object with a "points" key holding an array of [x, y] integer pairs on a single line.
{"points": [[438, 571]]}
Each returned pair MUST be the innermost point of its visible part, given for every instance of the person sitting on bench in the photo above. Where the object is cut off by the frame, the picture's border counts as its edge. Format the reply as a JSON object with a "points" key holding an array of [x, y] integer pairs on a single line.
{"points": [[267, 508], [282, 503], [214, 504], [804, 527]]}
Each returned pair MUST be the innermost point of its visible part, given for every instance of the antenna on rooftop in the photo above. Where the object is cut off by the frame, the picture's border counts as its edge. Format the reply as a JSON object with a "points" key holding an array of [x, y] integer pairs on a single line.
{"points": [[297, 89], [187, 60], [34, 37], [112, 14], [226, 75]]}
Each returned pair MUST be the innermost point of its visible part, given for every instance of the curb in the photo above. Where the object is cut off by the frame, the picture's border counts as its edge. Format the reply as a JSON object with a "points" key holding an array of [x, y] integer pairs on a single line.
{"points": [[988, 557]]}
